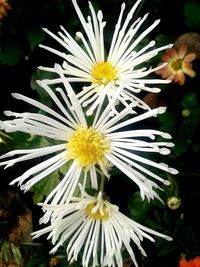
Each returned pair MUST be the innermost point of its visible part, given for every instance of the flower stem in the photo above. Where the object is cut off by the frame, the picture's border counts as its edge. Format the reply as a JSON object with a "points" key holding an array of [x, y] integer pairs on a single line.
{"points": [[101, 188]]}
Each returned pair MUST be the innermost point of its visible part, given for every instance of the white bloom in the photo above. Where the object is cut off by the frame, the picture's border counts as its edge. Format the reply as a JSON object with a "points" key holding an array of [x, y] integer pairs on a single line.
{"points": [[95, 229], [89, 148], [87, 62]]}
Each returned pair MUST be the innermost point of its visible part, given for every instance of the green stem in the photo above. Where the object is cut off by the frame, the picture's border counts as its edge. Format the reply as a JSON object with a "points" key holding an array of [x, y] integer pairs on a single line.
{"points": [[183, 246], [101, 188]]}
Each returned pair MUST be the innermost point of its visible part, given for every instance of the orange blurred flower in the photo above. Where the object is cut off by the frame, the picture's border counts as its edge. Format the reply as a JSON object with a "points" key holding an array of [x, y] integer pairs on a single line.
{"points": [[191, 263], [4, 7], [179, 64]]}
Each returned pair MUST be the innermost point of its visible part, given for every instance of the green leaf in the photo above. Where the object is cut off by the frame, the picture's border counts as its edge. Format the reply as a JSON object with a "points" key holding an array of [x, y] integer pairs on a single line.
{"points": [[179, 148], [139, 209], [195, 148], [6, 253], [16, 254], [92, 191], [41, 75], [45, 186], [166, 219], [10, 55], [35, 37], [168, 121], [163, 39], [168, 248], [18, 140], [158, 216], [190, 101], [37, 262], [192, 11]]}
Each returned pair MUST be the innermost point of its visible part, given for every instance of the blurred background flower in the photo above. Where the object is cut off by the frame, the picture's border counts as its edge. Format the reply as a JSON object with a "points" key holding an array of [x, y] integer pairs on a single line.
{"points": [[178, 64], [190, 263], [4, 7]]}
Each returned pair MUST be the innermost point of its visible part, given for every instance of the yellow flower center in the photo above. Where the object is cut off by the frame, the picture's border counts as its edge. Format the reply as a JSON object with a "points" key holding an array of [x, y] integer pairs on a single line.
{"points": [[176, 64], [103, 73], [97, 215], [88, 147]]}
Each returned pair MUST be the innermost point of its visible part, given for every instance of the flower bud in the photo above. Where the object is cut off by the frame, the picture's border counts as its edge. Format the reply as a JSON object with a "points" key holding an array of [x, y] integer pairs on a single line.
{"points": [[173, 203]]}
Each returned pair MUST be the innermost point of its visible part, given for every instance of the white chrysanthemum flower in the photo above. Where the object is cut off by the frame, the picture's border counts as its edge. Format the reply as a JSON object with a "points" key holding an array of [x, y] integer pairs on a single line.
{"points": [[87, 62], [95, 230], [88, 148]]}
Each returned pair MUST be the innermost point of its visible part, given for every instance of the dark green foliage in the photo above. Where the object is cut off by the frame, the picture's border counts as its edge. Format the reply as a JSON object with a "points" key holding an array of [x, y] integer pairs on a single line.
{"points": [[192, 11]]}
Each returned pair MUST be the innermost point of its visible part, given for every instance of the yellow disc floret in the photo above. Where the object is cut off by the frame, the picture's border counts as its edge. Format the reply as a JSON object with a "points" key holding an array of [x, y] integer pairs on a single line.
{"points": [[88, 147], [103, 73], [176, 64], [97, 214]]}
